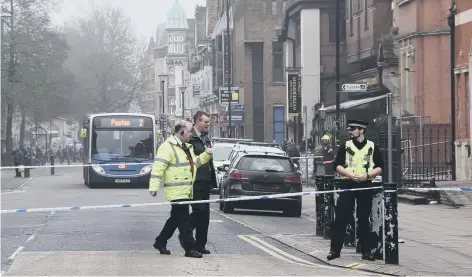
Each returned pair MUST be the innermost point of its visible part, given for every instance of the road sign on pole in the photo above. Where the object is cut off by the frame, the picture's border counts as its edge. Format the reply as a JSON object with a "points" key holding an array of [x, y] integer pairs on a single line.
{"points": [[354, 87]]}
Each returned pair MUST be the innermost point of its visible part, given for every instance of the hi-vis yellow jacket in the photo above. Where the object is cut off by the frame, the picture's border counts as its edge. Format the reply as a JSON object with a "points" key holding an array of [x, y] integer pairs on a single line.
{"points": [[172, 168]]}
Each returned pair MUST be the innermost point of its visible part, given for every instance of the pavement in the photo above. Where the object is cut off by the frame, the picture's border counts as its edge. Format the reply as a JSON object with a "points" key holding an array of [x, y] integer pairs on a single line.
{"points": [[119, 241], [436, 241]]}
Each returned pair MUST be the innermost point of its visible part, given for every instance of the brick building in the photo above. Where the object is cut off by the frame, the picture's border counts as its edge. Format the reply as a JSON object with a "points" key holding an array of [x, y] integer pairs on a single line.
{"points": [[463, 59], [423, 39], [257, 63], [147, 98], [309, 33]]}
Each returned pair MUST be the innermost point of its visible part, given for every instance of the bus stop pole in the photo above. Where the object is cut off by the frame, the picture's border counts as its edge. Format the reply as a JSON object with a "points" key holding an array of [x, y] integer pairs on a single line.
{"points": [[305, 115]]}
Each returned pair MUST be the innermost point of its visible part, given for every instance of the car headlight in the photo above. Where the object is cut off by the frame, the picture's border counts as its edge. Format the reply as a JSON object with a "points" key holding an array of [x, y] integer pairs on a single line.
{"points": [[99, 170], [145, 170]]}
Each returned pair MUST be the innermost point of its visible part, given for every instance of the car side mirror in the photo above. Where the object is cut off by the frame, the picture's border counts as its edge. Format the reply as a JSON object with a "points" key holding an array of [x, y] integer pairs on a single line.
{"points": [[223, 168]]}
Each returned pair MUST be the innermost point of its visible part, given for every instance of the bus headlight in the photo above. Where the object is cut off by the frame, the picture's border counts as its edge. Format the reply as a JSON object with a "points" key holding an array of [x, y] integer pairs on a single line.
{"points": [[146, 170], [99, 170]]}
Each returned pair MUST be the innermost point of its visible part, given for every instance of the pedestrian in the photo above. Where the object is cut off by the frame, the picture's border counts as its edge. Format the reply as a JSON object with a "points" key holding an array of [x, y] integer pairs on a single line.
{"points": [[328, 155], [18, 159], [176, 166], [204, 182], [358, 162]]}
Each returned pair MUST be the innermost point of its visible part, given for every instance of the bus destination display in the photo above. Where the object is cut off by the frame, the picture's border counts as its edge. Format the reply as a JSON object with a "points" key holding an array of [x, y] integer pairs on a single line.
{"points": [[122, 122]]}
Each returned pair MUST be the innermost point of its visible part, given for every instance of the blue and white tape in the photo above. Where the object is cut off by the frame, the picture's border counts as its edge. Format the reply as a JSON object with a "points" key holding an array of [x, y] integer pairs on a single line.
{"points": [[106, 164], [465, 189], [244, 198]]}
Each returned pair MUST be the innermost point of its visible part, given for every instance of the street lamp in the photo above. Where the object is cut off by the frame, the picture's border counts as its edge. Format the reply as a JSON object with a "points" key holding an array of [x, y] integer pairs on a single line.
{"points": [[162, 79], [182, 91]]}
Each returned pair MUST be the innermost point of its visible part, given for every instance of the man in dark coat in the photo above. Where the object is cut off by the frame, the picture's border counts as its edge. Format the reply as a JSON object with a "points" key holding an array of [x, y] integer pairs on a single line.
{"points": [[205, 181]]}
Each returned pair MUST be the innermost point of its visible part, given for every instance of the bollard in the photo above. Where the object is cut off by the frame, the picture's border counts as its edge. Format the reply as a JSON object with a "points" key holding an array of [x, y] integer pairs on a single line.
{"points": [[376, 220], [390, 213], [27, 168], [319, 203], [328, 206], [52, 164]]}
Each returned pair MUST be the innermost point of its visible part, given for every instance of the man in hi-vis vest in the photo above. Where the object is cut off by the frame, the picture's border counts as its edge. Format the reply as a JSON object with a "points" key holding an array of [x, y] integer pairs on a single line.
{"points": [[175, 168], [358, 162]]}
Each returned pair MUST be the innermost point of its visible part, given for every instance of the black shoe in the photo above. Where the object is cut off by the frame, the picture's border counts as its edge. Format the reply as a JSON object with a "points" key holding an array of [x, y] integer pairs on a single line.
{"points": [[203, 251], [181, 241], [193, 254], [368, 256], [162, 249], [333, 255]]}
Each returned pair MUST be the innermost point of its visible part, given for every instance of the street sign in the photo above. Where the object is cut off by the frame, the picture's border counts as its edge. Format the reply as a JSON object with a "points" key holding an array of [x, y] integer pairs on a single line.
{"points": [[354, 87]]}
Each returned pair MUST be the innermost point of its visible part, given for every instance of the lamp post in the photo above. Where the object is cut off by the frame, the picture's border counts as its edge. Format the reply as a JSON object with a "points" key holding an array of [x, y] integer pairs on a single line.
{"points": [[451, 20], [322, 113], [182, 91], [162, 79]]}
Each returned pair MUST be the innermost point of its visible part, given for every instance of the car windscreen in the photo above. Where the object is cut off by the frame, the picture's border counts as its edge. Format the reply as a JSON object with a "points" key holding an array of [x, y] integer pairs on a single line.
{"points": [[221, 153], [265, 164]]}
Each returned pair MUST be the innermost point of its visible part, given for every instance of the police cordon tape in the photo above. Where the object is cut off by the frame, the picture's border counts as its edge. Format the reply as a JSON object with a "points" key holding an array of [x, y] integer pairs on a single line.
{"points": [[106, 164], [244, 198]]}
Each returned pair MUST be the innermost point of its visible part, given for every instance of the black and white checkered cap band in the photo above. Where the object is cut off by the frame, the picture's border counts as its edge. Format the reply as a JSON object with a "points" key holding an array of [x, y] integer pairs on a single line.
{"points": [[354, 125]]}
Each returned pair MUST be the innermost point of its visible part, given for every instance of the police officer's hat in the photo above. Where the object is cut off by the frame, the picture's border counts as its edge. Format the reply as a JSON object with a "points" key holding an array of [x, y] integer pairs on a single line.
{"points": [[352, 124]]}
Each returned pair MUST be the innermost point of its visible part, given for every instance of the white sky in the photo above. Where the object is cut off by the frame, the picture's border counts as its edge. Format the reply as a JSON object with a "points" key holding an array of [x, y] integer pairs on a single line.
{"points": [[145, 14]]}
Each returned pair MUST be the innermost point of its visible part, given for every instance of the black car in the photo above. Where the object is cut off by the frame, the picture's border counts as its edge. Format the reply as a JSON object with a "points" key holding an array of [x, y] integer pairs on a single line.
{"points": [[253, 173]]}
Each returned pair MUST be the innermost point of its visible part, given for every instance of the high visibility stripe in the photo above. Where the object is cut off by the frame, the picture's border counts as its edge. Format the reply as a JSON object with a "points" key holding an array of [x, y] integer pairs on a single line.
{"points": [[177, 161], [179, 165], [156, 177], [164, 161], [178, 184], [198, 162]]}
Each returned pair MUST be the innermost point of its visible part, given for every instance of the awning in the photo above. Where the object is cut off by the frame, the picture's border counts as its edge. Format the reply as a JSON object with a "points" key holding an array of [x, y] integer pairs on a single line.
{"points": [[355, 103]]}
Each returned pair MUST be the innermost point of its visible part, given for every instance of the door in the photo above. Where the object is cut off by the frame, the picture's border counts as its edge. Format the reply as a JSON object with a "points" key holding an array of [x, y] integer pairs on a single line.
{"points": [[279, 124]]}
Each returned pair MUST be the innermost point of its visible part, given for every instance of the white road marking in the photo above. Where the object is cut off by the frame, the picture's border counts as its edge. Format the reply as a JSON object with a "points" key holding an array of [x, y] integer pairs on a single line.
{"points": [[32, 237], [216, 220], [19, 189], [17, 251]]}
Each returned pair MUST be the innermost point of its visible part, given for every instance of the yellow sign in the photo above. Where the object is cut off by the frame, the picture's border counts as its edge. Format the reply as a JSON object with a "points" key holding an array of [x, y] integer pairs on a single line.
{"points": [[83, 133], [121, 123], [234, 96]]}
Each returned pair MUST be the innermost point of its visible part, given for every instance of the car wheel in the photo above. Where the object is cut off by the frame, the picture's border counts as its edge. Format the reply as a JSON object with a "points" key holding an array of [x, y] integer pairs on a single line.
{"points": [[228, 207]]}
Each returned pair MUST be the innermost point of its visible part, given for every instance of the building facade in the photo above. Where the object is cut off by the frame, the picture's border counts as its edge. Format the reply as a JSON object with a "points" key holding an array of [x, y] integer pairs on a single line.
{"points": [[424, 59], [463, 66], [256, 70], [148, 95]]}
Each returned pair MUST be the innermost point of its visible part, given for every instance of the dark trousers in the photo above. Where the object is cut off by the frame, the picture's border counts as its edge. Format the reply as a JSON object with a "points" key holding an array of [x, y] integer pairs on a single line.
{"points": [[17, 171], [345, 208], [179, 218], [201, 216]]}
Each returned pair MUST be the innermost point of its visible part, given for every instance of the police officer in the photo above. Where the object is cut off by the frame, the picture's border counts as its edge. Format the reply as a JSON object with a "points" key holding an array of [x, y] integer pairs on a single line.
{"points": [[176, 166], [205, 181], [358, 162]]}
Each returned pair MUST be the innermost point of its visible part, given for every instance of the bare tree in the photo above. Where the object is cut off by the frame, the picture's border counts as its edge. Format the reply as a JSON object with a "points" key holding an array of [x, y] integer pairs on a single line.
{"points": [[33, 78], [103, 57]]}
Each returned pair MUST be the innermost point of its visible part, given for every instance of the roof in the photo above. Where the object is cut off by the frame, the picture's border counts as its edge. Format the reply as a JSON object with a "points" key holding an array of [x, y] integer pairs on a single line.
{"points": [[176, 17]]}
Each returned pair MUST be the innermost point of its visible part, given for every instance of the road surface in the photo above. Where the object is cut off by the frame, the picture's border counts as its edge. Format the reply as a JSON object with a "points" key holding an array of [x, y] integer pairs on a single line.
{"points": [[119, 241]]}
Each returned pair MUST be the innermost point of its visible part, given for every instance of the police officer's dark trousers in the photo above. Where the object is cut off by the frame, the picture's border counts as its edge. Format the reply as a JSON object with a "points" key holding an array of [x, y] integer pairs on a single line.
{"points": [[345, 209], [200, 216], [179, 218]]}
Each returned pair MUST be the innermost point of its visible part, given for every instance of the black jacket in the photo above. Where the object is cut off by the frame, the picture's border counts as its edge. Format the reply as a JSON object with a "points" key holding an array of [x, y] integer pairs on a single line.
{"points": [[206, 177]]}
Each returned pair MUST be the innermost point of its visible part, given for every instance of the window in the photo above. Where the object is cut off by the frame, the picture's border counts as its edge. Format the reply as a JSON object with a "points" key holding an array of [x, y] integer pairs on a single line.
{"points": [[467, 103], [265, 164], [332, 27], [277, 61], [351, 25], [274, 7]]}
